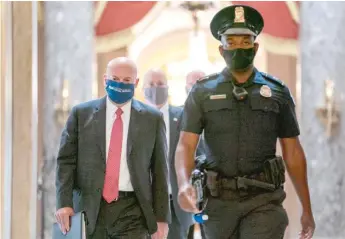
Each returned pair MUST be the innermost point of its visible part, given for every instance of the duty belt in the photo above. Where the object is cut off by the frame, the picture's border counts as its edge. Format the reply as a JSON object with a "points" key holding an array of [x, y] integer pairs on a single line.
{"points": [[269, 178], [243, 183], [218, 184]]}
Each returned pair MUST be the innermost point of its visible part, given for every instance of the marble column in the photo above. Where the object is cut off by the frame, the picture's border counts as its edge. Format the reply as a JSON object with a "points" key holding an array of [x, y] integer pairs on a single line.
{"points": [[22, 121], [323, 53], [2, 111], [69, 55]]}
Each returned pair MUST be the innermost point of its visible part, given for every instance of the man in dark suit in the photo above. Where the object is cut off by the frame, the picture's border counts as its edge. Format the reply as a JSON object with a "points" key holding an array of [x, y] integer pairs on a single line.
{"points": [[155, 89], [113, 153]]}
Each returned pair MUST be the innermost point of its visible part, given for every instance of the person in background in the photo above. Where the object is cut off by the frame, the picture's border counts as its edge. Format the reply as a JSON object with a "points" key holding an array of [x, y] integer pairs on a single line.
{"points": [[192, 77], [155, 88]]}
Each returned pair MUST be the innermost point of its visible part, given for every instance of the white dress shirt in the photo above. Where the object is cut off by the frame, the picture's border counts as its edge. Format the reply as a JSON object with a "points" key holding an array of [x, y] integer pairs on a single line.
{"points": [[165, 111], [124, 178]]}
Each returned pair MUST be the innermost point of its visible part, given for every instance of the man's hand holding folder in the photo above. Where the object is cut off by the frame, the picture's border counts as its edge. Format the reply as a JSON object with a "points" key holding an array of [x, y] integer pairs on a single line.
{"points": [[73, 227], [63, 216]]}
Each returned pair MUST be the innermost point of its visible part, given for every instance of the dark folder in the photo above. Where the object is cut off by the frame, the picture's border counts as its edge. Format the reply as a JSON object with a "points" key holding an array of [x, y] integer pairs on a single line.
{"points": [[77, 230]]}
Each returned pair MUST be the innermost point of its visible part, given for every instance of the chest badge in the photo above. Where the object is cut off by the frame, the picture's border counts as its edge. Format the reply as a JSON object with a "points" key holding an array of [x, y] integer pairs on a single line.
{"points": [[265, 91]]}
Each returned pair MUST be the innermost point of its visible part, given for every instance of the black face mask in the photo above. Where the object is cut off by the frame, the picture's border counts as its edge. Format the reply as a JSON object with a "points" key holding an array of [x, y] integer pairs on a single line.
{"points": [[239, 59]]}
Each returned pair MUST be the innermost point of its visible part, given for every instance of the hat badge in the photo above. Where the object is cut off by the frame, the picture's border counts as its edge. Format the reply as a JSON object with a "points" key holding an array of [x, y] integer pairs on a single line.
{"points": [[239, 15], [265, 91]]}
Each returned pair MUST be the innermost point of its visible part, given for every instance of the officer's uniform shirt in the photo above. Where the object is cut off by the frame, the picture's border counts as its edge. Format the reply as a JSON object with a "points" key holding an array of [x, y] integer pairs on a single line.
{"points": [[239, 135]]}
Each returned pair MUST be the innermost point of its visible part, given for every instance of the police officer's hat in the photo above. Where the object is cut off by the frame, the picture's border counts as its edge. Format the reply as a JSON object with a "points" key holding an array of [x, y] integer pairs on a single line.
{"points": [[237, 20]]}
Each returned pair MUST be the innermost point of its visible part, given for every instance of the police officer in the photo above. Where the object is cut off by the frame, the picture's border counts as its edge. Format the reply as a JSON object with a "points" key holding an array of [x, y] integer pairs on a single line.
{"points": [[242, 112]]}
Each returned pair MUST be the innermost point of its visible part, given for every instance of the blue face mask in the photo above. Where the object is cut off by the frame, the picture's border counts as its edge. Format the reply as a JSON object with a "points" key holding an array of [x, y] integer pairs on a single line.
{"points": [[119, 92]]}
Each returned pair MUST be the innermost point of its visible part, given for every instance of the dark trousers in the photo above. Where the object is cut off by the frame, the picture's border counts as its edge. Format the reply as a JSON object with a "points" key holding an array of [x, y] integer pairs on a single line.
{"points": [[176, 230], [122, 219], [261, 216], [191, 232]]}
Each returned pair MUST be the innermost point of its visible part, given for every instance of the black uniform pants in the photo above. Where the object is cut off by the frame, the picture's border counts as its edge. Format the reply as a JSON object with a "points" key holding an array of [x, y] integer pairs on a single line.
{"points": [[120, 219], [258, 217]]}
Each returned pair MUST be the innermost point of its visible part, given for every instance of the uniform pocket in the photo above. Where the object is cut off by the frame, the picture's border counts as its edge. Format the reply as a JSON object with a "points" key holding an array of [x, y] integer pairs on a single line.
{"points": [[217, 105], [265, 105], [265, 113], [218, 115]]}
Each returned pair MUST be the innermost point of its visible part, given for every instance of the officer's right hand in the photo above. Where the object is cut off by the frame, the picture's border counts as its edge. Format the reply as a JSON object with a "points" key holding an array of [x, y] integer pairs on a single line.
{"points": [[187, 198], [308, 225], [63, 218]]}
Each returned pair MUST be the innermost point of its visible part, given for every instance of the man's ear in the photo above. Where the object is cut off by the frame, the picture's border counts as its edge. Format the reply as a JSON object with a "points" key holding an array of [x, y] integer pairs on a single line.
{"points": [[105, 79], [221, 50], [136, 82]]}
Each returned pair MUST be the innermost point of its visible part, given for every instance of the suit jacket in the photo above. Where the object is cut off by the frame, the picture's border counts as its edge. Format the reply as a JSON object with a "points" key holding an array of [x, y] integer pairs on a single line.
{"points": [[175, 113], [81, 161]]}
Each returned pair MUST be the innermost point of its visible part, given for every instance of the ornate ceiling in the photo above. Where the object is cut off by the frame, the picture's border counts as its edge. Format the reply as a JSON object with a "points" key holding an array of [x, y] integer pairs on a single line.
{"points": [[281, 18], [118, 16]]}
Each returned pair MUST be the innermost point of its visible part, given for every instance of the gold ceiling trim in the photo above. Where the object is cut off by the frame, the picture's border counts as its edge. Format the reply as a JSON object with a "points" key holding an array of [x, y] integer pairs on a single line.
{"points": [[99, 11], [278, 45], [294, 10]]}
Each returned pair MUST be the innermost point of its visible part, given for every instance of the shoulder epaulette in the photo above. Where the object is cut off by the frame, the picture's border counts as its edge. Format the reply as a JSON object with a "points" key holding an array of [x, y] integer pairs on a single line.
{"points": [[209, 77], [272, 79]]}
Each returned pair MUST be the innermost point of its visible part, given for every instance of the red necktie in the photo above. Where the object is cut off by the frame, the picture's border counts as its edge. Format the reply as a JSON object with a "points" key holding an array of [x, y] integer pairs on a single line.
{"points": [[111, 181]]}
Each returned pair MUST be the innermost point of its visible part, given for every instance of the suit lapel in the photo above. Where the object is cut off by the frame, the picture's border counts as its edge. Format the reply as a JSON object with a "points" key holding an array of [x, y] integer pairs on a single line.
{"points": [[99, 119], [99, 122], [133, 128]]}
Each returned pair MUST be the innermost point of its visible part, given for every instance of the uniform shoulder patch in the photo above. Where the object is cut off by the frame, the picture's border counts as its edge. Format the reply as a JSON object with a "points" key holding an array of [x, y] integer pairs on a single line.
{"points": [[272, 79], [209, 77]]}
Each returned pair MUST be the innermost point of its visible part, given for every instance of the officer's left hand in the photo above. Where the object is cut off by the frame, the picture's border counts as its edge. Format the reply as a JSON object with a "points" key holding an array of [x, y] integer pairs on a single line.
{"points": [[308, 226]]}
